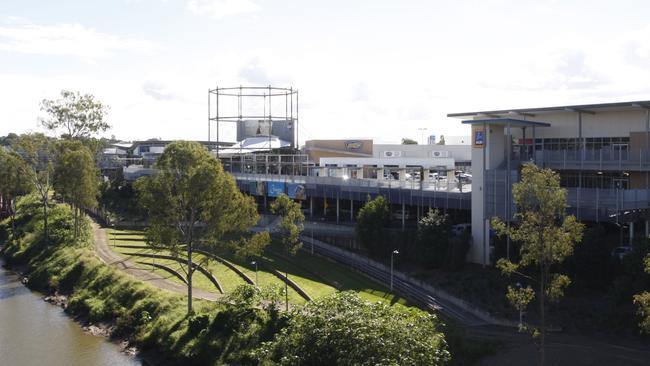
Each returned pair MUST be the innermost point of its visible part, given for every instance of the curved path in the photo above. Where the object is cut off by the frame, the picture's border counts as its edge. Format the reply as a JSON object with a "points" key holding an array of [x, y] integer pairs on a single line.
{"points": [[104, 252]]}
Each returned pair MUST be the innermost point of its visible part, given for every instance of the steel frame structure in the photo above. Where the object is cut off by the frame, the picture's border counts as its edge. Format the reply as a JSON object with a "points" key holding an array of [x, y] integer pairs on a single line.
{"points": [[244, 94]]}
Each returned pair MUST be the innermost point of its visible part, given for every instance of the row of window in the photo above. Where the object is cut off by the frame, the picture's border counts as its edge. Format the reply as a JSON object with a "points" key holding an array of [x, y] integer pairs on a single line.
{"points": [[573, 143]]}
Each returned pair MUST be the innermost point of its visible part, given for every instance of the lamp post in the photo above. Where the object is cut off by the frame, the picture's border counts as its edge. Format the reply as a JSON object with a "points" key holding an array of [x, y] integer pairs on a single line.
{"points": [[391, 267], [521, 323], [256, 280]]}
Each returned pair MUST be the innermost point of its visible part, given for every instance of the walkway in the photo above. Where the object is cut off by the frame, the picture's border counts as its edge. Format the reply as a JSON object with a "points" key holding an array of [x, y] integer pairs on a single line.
{"points": [[104, 252]]}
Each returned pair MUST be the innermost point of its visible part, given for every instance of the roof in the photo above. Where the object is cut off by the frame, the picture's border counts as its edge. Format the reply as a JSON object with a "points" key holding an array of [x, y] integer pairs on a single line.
{"points": [[531, 112], [256, 144], [506, 121]]}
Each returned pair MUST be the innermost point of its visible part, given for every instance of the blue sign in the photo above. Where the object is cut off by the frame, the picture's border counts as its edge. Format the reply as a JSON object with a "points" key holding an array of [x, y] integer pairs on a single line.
{"points": [[275, 189], [478, 137], [296, 191]]}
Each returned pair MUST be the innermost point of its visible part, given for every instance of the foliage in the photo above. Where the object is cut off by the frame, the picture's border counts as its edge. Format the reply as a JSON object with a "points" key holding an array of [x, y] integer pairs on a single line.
{"points": [[545, 233], [291, 224], [371, 226], [13, 182], [77, 115], [342, 329], [520, 297], [408, 141], [35, 150], [76, 178], [154, 320], [433, 239], [191, 201], [642, 301]]}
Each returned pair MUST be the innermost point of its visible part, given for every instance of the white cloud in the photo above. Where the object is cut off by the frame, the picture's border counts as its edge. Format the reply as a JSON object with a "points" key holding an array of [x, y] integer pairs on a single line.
{"points": [[65, 40], [219, 9]]}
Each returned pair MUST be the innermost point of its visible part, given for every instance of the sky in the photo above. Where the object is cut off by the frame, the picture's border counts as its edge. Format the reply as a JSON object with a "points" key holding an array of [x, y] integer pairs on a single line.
{"points": [[364, 68]]}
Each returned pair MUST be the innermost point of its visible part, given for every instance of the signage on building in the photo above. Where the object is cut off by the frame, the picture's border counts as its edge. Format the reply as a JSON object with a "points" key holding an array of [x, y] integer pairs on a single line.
{"points": [[353, 145], [478, 136], [274, 189], [296, 191]]}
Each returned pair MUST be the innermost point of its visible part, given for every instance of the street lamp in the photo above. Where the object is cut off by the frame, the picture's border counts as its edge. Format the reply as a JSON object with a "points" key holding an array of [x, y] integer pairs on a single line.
{"points": [[422, 129], [254, 263], [521, 323], [391, 267]]}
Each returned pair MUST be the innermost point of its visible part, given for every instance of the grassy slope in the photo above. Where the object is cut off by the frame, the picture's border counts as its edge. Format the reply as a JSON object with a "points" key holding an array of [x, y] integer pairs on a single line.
{"points": [[150, 317], [318, 276]]}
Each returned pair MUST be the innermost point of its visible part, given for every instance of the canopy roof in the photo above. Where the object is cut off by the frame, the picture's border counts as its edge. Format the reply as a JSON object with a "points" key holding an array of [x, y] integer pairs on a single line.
{"points": [[531, 112], [506, 121]]}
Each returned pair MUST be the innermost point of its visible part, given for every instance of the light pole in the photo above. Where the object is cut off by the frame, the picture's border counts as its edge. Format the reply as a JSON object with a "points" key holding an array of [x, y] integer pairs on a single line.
{"points": [[256, 280], [391, 267], [422, 129], [521, 323]]}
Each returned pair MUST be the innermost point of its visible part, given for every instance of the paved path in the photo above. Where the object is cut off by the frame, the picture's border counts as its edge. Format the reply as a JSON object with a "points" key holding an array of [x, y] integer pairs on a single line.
{"points": [[108, 256]]}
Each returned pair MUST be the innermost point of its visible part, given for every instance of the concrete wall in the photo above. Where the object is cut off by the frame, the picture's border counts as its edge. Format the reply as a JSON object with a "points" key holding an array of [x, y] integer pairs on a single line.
{"points": [[493, 148]]}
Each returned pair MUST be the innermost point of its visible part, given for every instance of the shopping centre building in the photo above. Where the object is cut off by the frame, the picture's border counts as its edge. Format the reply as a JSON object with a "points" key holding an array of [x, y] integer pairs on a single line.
{"points": [[601, 152]]}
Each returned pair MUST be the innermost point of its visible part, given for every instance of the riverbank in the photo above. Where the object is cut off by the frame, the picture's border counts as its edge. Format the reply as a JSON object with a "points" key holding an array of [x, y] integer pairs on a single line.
{"points": [[52, 337], [110, 303]]}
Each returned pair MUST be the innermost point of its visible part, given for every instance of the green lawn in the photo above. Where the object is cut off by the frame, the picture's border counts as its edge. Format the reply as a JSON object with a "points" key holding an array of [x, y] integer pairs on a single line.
{"points": [[228, 278], [315, 275]]}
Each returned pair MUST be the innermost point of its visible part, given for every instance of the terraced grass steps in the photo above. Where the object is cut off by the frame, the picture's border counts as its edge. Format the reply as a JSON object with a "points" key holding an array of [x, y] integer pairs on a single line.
{"points": [[166, 269], [286, 279], [228, 264], [205, 272]]}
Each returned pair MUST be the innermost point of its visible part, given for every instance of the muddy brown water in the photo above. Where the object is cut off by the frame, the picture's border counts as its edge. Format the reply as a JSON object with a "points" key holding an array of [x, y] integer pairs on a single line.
{"points": [[33, 332]]}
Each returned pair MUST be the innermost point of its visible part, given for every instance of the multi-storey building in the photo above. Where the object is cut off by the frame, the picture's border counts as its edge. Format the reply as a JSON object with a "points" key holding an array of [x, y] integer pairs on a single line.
{"points": [[601, 151]]}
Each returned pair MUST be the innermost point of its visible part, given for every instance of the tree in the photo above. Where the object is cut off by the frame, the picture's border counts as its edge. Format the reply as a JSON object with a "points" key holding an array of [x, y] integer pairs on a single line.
{"points": [[343, 329], [78, 116], [191, 201], [642, 301], [371, 225], [433, 236], [442, 140], [291, 225], [546, 234], [13, 182], [35, 150], [76, 178], [408, 141]]}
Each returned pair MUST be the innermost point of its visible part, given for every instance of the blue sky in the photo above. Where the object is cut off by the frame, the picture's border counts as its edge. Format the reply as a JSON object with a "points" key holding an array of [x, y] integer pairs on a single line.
{"points": [[379, 69]]}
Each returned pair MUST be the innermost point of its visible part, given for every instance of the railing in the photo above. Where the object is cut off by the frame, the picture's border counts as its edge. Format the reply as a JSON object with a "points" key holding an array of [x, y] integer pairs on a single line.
{"points": [[436, 185], [596, 204], [591, 158]]}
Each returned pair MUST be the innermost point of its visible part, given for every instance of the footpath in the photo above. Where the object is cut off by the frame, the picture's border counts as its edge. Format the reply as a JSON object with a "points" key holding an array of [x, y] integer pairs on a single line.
{"points": [[108, 256]]}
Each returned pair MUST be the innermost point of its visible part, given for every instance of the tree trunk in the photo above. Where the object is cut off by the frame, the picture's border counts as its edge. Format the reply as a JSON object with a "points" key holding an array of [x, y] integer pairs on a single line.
{"points": [[12, 207], [189, 278], [542, 314], [45, 228]]}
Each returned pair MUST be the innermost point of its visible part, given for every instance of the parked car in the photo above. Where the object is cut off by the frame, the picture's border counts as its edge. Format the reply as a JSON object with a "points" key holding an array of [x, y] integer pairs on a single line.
{"points": [[621, 252]]}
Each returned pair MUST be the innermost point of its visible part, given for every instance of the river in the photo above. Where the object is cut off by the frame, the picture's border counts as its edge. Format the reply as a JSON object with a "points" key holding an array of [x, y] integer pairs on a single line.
{"points": [[33, 332]]}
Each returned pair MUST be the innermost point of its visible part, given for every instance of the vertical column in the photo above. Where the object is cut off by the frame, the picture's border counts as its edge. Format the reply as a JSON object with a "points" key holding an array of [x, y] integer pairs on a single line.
{"points": [[337, 208], [631, 233], [351, 210], [380, 173], [402, 174], [311, 207], [403, 215], [647, 229], [582, 151], [508, 187]]}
